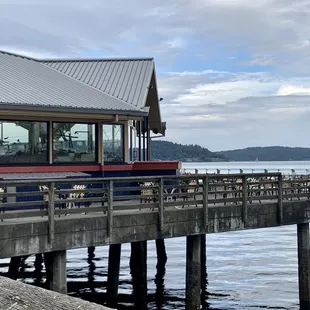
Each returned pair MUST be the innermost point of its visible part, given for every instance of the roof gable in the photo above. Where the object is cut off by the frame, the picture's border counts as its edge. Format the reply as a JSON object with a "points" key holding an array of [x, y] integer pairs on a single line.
{"points": [[125, 79]]}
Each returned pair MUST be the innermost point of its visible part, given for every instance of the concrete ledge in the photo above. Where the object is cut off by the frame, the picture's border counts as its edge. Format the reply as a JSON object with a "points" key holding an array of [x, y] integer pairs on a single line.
{"points": [[78, 231], [17, 296]]}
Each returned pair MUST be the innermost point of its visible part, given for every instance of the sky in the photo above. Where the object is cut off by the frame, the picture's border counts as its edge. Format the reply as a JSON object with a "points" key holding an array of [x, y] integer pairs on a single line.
{"points": [[232, 73]]}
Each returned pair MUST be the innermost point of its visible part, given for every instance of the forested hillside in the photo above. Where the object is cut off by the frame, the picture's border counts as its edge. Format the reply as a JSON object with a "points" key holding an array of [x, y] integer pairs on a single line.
{"points": [[270, 153], [165, 150]]}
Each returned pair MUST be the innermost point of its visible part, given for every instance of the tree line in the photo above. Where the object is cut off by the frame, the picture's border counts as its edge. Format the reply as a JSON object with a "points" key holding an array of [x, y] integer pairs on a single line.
{"points": [[166, 150]]}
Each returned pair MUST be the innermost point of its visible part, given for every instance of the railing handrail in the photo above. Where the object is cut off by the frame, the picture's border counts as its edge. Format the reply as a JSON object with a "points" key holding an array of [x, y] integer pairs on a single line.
{"points": [[89, 180], [220, 189]]}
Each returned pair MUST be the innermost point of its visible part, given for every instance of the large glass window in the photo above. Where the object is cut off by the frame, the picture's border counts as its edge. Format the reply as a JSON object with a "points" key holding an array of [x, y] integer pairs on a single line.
{"points": [[23, 142], [113, 143], [74, 142]]}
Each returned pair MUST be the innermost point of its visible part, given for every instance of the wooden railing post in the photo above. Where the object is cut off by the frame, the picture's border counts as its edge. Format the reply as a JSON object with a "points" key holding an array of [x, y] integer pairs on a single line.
{"points": [[51, 212], [205, 212], [244, 200], [280, 198], [161, 204], [110, 209]]}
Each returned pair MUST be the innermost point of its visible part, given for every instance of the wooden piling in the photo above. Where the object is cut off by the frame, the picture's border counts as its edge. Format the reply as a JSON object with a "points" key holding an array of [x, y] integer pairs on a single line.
{"points": [[14, 267], [91, 252], [203, 258], [193, 272], [56, 271], [38, 266], [161, 255], [204, 274], [91, 267], [160, 272], [138, 267], [303, 265], [113, 274]]}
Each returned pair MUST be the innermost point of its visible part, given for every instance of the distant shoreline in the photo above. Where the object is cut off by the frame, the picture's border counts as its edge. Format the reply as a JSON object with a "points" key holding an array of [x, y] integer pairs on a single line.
{"points": [[165, 150]]}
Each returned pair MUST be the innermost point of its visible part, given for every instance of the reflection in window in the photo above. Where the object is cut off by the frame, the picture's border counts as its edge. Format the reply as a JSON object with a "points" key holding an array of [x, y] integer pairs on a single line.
{"points": [[74, 142], [23, 142], [113, 143]]}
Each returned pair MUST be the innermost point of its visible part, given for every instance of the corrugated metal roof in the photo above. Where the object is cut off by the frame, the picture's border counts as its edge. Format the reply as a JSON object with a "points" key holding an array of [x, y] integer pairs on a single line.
{"points": [[27, 82], [126, 79]]}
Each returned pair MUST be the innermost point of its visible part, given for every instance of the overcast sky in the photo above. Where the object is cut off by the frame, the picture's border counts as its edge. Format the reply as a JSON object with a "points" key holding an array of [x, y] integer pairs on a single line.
{"points": [[233, 73]]}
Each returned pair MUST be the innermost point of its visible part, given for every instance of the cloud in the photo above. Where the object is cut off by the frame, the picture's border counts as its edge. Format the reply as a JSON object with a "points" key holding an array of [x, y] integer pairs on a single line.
{"points": [[233, 73], [156, 26], [264, 60], [286, 90], [244, 109]]}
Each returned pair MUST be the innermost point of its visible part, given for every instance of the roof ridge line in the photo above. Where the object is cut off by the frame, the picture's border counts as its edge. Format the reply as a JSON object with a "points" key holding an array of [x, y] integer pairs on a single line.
{"points": [[85, 84], [93, 59], [75, 59], [18, 55]]}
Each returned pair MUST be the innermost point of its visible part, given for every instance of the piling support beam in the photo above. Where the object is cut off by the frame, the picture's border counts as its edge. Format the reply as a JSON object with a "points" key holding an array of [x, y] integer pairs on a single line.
{"points": [[203, 255], [161, 255], [91, 252], [113, 274], [193, 272], [38, 268], [303, 265], [56, 271], [161, 270], [138, 267], [91, 267], [14, 267]]}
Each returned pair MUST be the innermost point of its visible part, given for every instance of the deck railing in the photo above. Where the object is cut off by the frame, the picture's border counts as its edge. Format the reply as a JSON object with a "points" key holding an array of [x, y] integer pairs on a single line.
{"points": [[55, 198]]}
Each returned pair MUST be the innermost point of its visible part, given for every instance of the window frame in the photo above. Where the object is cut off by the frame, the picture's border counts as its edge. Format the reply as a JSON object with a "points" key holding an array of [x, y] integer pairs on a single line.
{"points": [[104, 162], [96, 146]]}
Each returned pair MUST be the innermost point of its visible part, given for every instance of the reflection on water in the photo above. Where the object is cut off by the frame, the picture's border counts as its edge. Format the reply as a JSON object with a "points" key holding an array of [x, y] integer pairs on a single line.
{"points": [[160, 285]]}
